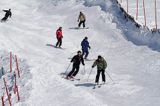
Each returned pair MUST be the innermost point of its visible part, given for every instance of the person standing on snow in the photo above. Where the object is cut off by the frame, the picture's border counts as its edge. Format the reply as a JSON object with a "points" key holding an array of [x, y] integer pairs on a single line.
{"points": [[59, 37], [85, 45], [77, 59], [101, 66], [81, 20], [8, 14]]}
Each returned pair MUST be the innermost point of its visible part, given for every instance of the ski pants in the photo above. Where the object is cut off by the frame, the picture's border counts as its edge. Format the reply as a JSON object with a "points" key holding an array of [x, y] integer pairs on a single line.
{"points": [[4, 19], [74, 71], [81, 22], [85, 53], [98, 74], [59, 42]]}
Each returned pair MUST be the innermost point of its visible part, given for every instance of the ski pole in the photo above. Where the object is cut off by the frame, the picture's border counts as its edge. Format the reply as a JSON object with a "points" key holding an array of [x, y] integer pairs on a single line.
{"points": [[67, 69], [89, 74], [83, 73], [84, 70], [110, 77]]}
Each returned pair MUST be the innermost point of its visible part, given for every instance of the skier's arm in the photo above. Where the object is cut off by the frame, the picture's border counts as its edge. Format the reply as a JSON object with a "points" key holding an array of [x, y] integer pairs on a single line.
{"points": [[10, 15], [82, 43], [57, 34], [105, 64], [84, 17], [73, 59], [78, 18], [5, 10], [89, 46], [94, 64]]}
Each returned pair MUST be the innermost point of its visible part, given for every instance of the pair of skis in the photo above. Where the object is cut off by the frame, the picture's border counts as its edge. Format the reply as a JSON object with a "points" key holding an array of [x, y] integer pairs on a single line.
{"points": [[98, 85]]}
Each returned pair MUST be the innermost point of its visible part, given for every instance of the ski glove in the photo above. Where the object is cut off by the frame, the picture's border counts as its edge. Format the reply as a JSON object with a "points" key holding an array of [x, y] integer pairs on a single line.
{"points": [[92, 66]]}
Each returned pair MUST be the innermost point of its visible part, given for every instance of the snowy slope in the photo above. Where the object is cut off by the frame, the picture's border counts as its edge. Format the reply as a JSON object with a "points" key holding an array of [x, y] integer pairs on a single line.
{"points": [[32, 28]]}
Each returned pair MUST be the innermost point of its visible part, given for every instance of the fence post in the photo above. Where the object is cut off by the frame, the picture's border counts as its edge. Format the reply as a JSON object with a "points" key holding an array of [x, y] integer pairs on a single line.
{"points": [[127, 6], [17, 93], [10, 61], [5, 84], [15, 83], [155, 13], [2, 98], [137, 10], [17, 66], [144, 11]]}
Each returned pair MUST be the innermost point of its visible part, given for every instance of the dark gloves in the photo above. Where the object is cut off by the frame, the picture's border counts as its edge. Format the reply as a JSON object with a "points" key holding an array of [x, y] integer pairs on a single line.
{"points": [[92, 66]]}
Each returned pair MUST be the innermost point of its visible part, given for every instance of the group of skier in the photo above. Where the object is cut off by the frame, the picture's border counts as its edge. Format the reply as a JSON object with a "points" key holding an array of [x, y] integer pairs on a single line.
{"points": [[80, 56], [99, 62]]}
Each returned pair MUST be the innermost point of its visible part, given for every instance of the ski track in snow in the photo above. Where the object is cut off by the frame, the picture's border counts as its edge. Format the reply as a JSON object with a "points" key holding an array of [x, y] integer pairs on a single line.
{"points": [[133, 68]]}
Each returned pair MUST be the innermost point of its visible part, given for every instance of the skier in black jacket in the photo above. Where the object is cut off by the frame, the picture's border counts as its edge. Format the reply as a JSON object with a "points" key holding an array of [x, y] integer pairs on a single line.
{"points": [[8, 14], [77, 59]]}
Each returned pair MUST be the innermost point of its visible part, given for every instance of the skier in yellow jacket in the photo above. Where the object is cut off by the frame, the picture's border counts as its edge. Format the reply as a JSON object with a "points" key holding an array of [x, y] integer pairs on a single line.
{"points": [[81, 20]]}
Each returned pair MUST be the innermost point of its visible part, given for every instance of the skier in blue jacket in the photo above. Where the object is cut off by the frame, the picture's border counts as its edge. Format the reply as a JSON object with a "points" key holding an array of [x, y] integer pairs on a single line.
{"points": [[85, 45]]}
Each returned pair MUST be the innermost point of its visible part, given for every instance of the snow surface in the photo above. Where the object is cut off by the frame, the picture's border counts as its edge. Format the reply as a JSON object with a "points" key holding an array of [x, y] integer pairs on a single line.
{"points": [[134, 68]]}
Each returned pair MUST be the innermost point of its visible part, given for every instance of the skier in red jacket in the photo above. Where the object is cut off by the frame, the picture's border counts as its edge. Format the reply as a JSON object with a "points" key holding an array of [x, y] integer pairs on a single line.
{"points": [[59, 37]]}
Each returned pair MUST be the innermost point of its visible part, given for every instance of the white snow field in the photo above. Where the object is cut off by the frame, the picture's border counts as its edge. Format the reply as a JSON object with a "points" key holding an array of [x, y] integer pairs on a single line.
{"points": [[134, 68]]}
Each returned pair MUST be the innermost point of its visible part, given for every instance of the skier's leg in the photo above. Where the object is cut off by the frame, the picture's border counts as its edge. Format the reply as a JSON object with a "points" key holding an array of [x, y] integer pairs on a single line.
{"points": [[79, 25], [60, 42], [76, 72], [86, 54], [84, 24], [3, 19], [82, 53], [97, 76], [103, 76], [69, 75], [57, 42]]}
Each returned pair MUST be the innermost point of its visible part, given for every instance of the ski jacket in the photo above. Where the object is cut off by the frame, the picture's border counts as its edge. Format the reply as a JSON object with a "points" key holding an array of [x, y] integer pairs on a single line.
{"points": [[77, 60], [8, 13], [81, 17], [101, 64], [85, 45], [59, 34]]}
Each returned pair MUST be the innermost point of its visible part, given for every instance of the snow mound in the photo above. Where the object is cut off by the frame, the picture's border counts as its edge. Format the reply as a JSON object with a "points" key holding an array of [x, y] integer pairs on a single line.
{"points": [[139, 36], [22, 82]]}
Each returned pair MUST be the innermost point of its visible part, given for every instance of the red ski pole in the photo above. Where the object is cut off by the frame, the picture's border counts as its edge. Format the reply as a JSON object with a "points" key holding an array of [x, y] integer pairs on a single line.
{"points": [[5, 84]]}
